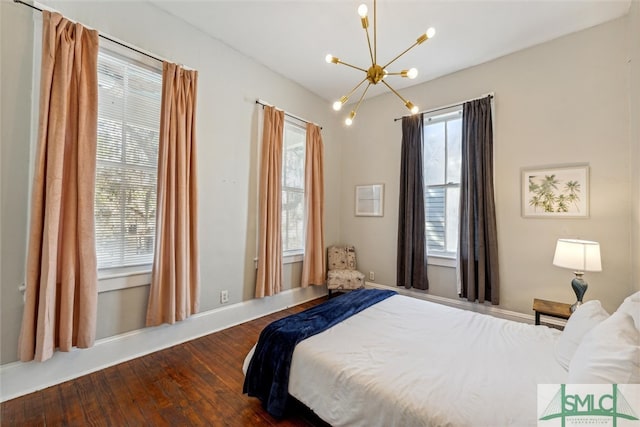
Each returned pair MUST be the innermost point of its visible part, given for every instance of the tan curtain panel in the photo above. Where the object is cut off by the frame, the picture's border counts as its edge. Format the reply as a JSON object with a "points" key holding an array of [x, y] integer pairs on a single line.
{"points": [[61, 278], [269, 274], [314, 264], [174, 294]]}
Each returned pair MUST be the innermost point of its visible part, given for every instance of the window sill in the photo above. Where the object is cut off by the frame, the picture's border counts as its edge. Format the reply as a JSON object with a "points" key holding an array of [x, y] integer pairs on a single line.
{"points": [[289, 258], [442, 260], [114, 279]]}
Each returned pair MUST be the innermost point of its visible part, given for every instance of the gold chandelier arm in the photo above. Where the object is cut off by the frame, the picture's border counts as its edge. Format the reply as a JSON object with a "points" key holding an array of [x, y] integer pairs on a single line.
{"points": [[355, 110], [365, 27], [375, 35], [414, 109], [355, 88], [396, 93], [373, 61], [411, 73], [349, 65], [405, 51]]}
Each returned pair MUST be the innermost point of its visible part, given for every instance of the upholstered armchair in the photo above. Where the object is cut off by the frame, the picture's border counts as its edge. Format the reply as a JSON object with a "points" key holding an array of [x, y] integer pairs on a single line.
{"points": [[342, 274]]}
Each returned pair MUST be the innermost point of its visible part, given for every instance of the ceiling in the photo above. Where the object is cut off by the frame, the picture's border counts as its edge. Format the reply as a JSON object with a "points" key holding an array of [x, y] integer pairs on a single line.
{"points": [[292, 38]]}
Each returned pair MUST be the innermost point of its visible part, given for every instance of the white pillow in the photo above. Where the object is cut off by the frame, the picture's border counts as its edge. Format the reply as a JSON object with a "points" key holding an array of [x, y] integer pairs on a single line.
{"points": [[632, 308], [633, 297], [608, 354], [581, 321]]}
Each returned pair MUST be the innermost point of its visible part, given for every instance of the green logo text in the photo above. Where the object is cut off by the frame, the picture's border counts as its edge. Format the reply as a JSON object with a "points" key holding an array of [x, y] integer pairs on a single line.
{"points": [[584, 405]]}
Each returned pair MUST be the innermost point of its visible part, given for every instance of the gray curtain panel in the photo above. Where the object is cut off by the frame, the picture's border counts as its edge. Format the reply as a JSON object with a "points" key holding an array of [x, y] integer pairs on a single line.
{"points": [[478, 237], [412, 253]]}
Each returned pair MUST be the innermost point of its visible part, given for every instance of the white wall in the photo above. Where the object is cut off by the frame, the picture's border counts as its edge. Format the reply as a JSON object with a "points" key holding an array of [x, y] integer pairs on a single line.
{"points": [[634, 101], [229, 83], [15, 87], [564, 101]]}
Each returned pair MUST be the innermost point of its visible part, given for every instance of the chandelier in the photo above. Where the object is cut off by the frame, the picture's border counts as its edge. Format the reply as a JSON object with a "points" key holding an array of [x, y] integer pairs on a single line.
{"points": [[375, 73]]}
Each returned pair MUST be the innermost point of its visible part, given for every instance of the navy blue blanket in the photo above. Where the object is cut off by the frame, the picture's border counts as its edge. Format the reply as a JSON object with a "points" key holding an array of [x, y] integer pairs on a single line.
{"points": [[268, 373]]}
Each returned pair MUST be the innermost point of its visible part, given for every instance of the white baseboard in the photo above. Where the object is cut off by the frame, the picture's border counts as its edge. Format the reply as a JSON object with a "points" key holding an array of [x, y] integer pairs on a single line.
{"points": [[18, 378], [467, 305]]}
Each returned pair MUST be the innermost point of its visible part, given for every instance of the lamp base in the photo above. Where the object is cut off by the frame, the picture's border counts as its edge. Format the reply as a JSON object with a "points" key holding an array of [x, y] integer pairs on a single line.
{"points": [[575, 306], [579, 286]]}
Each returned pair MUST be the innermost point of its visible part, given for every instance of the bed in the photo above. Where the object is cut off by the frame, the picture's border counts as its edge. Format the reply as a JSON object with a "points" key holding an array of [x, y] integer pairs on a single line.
{"points": [[409, 362]]}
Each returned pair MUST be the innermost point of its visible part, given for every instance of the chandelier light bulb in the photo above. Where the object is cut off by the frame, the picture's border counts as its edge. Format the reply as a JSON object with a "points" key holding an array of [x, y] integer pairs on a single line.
{"points": [[411, 73], [349, 120], [337, 106], [362, 10], [431, 32], [328, 58], [413, 108]]}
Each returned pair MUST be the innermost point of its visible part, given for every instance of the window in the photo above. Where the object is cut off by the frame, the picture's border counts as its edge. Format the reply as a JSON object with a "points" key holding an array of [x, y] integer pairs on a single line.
{"points": [[129, 96], [442, 165], [293, 159]]}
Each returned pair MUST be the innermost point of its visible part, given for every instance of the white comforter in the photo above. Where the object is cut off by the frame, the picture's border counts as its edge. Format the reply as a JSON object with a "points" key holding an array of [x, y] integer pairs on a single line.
{"points": [[408, 362]]}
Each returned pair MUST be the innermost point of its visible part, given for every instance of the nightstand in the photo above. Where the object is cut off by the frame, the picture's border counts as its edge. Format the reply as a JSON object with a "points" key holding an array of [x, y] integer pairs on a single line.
{"points": [[551, 308]]}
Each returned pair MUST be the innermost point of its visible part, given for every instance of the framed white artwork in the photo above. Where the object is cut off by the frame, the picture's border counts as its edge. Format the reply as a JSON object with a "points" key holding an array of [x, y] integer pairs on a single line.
{"points": [[370, 200]]}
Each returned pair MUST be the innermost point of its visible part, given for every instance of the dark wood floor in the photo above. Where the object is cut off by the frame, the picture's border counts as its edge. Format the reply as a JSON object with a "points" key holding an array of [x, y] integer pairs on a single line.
{"points": [[198, 383]]}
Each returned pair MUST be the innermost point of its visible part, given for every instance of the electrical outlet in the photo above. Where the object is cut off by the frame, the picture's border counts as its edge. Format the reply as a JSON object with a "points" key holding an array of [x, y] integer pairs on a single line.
{"points": [[372, 276], [224, 296]]}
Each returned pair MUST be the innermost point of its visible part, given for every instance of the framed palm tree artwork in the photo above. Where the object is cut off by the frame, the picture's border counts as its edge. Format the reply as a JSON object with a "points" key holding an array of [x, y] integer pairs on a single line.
{"points": [[556, 191]]}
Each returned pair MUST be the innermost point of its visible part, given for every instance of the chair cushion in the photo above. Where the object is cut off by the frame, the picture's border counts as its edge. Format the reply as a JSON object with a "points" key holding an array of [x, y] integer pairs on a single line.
{"points": [[345, 279], [341, 258]]}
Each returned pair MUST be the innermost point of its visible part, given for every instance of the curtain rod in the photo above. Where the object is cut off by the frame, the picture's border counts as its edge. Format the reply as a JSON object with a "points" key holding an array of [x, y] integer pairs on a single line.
{"points": [[101, 35], [490, 96], [266, 104]]}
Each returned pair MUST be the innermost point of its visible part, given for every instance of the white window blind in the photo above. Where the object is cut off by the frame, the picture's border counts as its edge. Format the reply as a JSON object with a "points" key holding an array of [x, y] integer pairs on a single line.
{"points": [[127, 154], [293, 187], [442, 166]]}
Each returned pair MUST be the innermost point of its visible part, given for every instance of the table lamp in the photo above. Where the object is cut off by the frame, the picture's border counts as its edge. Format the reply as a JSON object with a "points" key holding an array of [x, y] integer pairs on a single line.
{"points": [[580, 256]]}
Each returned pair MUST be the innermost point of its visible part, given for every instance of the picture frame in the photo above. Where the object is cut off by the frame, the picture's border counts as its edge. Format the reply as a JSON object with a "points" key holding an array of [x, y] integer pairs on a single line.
{"points": [[370, 200], [555, 191]]}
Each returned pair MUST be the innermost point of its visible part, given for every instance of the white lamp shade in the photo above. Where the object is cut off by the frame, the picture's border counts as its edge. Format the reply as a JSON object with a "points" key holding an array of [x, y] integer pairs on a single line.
{"points": [[578, 255]]}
